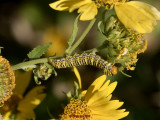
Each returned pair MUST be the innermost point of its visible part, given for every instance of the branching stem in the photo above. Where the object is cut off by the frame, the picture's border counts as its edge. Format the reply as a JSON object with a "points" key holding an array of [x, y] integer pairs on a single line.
{"points": [[82, 36]]}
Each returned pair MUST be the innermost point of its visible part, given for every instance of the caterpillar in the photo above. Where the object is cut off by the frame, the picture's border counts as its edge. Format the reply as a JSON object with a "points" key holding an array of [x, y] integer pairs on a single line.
{"points": [[84, 59]]}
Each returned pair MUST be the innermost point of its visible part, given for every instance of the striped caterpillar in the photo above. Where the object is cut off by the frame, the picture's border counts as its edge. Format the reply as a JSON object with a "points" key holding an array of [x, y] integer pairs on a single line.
{"points": [[84, 59]]}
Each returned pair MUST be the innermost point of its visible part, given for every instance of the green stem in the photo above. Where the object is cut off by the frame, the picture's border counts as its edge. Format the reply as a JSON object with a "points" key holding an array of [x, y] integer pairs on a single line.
{"points": [[82, 36], [45, 60], [33, 62], [29, 63]]}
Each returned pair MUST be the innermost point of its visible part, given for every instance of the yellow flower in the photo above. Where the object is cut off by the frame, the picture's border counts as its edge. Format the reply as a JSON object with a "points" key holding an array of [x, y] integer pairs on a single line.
{"points": [[7, 80], [52, 35], [20, 106], [134, 15], [137, 15], [87, 7], [95, 103]]}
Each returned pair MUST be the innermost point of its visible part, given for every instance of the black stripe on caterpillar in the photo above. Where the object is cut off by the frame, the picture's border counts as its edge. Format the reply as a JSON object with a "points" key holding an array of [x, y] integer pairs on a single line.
{"points": [[84, 59]]}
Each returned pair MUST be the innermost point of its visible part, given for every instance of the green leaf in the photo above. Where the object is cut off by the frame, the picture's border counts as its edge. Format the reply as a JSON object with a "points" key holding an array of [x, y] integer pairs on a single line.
{"points": [[76, 89], [74, 33], [109, 23], [39, 51], [99, 27]]}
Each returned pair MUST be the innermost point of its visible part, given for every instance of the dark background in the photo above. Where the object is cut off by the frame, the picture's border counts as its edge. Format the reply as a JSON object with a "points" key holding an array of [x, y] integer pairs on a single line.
{"points": [[24, 24]]}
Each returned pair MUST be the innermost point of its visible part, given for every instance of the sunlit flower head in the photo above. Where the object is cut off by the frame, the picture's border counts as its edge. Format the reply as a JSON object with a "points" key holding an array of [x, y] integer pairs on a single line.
{"points": [[19, 106], [95, 103], [7, 80], [134, 15]]}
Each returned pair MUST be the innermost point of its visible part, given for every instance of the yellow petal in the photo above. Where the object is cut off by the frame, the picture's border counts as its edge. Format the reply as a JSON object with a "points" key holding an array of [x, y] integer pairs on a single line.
{"points": [[108, 90], [99, 117], [83, 93], [109, 97], [30, 101], [95, 86], [27, 115], [78, 77], [137, 15], [107, 106], [88, 8], [111, 115], [89, 11], [105, 85], [59, 5], [146, 9], [79, 4], [6, 115], [69, 5], [22, 81], [100, 102], [94, 98]]}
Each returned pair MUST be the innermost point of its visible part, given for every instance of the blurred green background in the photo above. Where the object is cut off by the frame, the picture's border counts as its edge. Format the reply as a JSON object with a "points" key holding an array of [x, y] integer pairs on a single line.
{"points": [[24, 24]]}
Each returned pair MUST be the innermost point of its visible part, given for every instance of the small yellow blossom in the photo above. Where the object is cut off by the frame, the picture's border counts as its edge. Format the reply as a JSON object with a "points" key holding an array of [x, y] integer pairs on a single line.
{"points": [[52, 35], [20, 106], [134, 15], [95, 104]]}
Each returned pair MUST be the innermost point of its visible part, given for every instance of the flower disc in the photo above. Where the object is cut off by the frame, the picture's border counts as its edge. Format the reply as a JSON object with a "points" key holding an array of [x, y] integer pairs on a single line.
{"points": [[7, 80]]}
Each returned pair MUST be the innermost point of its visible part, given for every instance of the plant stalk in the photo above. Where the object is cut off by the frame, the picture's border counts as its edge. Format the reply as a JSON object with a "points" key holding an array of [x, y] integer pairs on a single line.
{"points": [[82, 36]]}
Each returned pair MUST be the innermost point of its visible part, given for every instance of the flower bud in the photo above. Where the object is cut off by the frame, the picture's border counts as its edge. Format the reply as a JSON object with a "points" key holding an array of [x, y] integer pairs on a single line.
{"points": [[122, 44]]}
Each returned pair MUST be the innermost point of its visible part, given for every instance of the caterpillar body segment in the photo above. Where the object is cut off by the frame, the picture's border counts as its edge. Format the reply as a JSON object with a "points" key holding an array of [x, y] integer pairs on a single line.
{"points": [[84, 59]]}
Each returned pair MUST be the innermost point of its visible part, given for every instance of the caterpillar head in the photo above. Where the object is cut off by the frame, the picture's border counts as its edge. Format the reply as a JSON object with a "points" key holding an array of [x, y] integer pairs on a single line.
{"points": [[114, 70]]}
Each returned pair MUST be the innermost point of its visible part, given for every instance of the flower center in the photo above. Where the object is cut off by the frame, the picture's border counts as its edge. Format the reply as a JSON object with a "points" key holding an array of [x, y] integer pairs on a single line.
{"points": [[76, 110], [107, 3], [7, 80]]}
